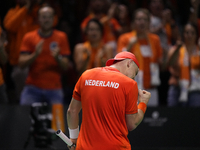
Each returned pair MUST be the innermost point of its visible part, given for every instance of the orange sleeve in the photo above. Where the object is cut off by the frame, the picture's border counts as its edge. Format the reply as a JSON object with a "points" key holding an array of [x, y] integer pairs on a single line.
{"points": [[122, 42], [115, 24], [64, 45], [14, 18], [77, 92], [131, 99], [26, 44]]}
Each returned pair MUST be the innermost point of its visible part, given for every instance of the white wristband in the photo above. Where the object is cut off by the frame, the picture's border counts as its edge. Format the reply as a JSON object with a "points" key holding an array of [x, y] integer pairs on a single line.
{"points": [[73, 133]]}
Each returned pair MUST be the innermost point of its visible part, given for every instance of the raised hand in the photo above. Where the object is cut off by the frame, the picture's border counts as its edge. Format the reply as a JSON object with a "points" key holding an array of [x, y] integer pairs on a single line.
{"points": [[144, 96], [38, 48], [55, 52]]}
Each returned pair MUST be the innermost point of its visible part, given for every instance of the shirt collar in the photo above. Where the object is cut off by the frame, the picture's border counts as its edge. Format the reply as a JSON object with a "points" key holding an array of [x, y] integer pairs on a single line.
{"points": [[110, 68]]}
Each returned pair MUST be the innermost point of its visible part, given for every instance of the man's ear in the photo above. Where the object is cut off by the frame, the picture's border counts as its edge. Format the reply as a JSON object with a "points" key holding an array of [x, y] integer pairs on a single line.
{"points": [[129, 63]]}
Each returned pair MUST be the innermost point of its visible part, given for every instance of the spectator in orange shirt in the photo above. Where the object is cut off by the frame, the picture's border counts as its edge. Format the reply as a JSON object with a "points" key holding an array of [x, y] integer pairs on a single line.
{"points": [[112, 29], [3, 60], [108, 98], [17, 22], [184, 64], [44, 50], [147, 49], [94, 52]]}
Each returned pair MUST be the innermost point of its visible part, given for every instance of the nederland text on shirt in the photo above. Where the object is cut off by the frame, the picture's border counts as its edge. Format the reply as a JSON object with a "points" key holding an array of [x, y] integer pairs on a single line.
{"points": [[101, 83]]}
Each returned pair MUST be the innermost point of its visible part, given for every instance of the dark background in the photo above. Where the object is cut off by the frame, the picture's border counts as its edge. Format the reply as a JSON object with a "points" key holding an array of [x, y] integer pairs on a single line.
{"points": [[162, 128]]}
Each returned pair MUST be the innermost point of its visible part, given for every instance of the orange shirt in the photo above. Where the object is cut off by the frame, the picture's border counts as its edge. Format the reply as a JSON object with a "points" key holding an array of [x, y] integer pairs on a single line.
{"points": [[93, 62], [109, 28], [44, 71], [106, 96], [154, 42]]}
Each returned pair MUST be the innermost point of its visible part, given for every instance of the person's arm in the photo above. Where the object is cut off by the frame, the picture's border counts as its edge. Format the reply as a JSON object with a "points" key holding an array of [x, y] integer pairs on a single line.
{"points": [[110, 14], [81, 58], [73, 117], [133, 120], [105, 53], [27, 59], [132, 41], [62, 61], [173, 54], [15, 17]]}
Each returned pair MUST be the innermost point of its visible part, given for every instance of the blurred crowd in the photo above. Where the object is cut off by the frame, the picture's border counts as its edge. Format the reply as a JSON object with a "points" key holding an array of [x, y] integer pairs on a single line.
{"points": [[45, 45]]}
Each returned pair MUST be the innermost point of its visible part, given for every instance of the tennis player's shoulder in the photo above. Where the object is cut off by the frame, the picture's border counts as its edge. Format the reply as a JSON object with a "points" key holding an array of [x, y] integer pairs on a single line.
{"points": [[88, 71]]}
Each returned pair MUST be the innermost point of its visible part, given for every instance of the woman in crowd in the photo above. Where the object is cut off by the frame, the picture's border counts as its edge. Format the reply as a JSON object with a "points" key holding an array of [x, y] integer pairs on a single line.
{"points": [[93, 52], [184, 65], [147, 48]]}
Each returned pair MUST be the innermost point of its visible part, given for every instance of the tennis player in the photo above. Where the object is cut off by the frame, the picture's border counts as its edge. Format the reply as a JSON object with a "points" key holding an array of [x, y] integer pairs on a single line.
{"points": [[108, 97]]}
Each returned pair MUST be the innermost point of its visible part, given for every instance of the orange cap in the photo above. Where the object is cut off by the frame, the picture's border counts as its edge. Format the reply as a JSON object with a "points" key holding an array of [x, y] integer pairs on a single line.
{"points": [[122, 56]]}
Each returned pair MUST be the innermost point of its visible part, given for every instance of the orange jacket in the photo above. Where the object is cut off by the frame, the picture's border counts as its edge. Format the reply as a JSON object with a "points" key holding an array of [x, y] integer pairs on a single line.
{"points": [[154, 42]]}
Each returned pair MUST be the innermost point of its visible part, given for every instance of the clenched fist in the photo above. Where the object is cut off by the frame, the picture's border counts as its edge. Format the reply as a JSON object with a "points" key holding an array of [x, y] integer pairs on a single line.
{"points": [[144, 96]]}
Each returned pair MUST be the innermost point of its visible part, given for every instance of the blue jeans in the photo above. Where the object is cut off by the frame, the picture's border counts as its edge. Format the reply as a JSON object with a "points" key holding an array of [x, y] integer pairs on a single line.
{"points": [[194, 99], [32, 94], [173, 96]]}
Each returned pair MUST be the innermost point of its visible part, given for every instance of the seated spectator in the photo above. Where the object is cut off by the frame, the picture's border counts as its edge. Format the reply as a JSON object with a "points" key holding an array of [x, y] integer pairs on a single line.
{"points": [[94, 52], [44, 51], [147, 49], [184, 62]]}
